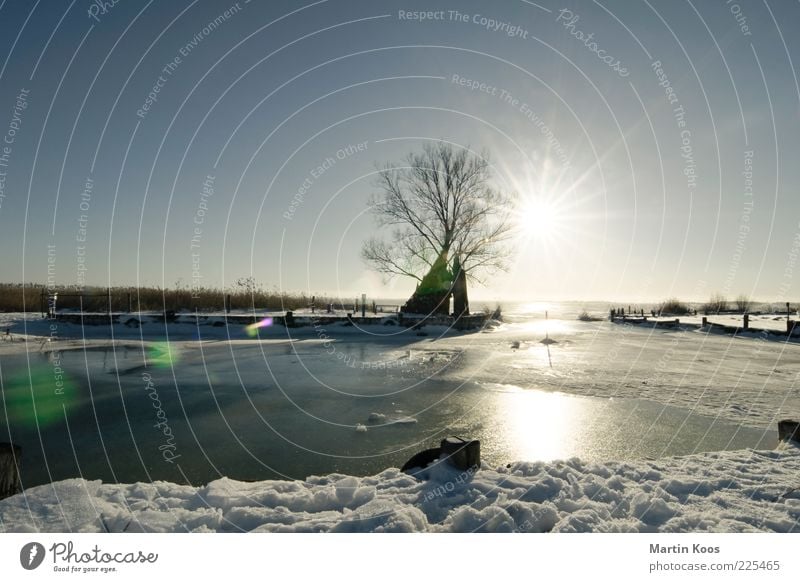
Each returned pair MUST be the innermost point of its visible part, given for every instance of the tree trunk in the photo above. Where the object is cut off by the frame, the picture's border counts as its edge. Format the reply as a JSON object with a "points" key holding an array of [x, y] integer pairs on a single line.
{"points": [[432, 296], [460, 298], [9, 470]]}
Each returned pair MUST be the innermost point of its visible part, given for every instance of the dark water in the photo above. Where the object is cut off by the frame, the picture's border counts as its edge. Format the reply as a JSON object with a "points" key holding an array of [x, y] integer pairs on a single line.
{"points": [[255, 412]]}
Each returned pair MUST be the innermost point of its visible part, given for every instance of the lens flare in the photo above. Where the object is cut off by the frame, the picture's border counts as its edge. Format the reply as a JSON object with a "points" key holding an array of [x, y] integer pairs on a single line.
{"points": [[38, 398], [162, 355], [252, 329]]}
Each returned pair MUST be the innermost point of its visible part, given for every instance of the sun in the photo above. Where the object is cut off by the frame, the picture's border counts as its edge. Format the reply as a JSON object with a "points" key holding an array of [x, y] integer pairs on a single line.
{"points": [[540, 219]]}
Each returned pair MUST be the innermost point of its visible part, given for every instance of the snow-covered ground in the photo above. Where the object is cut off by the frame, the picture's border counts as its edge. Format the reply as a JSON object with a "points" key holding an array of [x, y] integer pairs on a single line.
{"points": [[739, 491], [491, 384]]}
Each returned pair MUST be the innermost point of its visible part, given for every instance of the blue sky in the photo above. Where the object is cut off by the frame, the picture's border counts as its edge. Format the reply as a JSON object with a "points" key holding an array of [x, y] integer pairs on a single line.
{"points": [[621, 197]]}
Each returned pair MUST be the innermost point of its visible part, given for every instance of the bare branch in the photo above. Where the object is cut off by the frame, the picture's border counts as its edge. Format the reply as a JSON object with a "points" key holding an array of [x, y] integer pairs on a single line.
{"points": [[440, 203]]}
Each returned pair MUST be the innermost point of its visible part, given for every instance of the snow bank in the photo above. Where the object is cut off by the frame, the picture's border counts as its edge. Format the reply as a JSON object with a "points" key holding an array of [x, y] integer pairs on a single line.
{"points": [[725, 492]]}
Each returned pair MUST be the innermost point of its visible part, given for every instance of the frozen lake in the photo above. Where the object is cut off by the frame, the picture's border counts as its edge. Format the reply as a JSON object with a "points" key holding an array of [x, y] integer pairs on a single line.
{"points": [[294, 406]]}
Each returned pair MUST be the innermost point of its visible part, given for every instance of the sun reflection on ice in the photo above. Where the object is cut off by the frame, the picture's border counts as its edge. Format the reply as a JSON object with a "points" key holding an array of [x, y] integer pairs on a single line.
{"points": [[539, 327], [535, 307], [539, 425]]}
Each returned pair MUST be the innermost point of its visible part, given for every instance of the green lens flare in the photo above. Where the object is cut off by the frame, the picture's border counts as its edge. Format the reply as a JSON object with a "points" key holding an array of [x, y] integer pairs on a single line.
{"points": [[162, 355], [39, 398]]}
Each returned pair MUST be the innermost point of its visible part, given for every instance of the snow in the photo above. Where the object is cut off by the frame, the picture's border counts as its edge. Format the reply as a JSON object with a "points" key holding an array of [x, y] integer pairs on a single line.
{"points": [[734, 491]]}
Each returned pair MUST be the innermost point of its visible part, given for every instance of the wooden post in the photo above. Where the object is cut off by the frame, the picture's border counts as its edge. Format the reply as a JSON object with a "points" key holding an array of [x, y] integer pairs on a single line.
{"points": [[130, 303], [108, 292], [746, 321], [363, 305], [9, 470], [312, 303], [228, 304], [789, 430], [705, 321]]}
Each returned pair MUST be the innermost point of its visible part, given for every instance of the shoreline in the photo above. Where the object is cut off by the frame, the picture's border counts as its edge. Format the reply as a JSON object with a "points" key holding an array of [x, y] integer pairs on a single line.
{"points": [[745, 328]]}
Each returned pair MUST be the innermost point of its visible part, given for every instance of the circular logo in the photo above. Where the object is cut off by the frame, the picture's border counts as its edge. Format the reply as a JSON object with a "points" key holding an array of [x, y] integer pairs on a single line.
{"points": [[31, 555]]}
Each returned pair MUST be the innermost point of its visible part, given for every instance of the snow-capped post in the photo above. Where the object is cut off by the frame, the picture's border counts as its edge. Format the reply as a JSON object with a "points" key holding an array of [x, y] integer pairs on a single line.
{"points": [[789, 430], [462, 454], [9, 470]]}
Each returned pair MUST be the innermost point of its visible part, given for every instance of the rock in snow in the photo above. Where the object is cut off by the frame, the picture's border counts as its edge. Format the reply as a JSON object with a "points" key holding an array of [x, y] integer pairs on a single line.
{"points": [[725, 492]]}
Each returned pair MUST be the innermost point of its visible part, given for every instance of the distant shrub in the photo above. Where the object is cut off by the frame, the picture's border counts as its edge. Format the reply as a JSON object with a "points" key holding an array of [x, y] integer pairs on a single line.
{"points": [[18, 298], [716, 303], [673, 306], [586, 316], [496, 313]]}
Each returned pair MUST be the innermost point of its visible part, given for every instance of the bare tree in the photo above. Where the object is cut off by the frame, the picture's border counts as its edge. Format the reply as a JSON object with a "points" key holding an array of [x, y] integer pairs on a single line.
{"points": [[743, 303], [716, 304], [442, 212], [247, 284]]}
